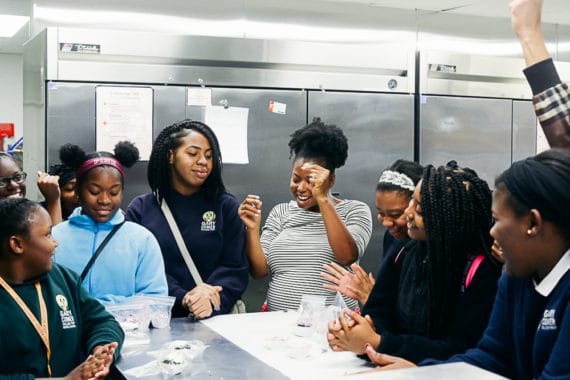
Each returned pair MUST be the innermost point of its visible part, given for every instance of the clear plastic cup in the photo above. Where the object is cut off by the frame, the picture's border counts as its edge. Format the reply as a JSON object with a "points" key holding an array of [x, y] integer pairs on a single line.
{"points": [[309, 311], [160, 309]]}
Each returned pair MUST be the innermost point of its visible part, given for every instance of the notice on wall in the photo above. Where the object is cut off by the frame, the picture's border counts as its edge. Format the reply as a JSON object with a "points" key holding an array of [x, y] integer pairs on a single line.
{"points": [[124, 113], [230, 126], [199, 96], [276, 107]]}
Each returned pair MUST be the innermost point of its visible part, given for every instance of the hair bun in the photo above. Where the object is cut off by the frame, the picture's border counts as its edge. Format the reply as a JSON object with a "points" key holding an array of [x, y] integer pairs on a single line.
{"points": [[72, 155], [126, 153]]}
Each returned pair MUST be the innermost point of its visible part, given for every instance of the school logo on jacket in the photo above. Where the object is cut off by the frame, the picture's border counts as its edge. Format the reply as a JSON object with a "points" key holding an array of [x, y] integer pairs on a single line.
{"points": [[67, 319], [548, 321], [209, 221]]}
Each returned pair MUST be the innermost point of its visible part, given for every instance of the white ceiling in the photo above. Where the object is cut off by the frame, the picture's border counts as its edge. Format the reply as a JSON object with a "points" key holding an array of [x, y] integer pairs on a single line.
{"points": [[555, 11], [343, 14]]}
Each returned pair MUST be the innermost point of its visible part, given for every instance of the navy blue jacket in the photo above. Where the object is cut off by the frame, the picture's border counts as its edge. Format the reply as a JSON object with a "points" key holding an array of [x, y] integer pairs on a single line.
{"points": [[528, 336], [214, 236], [400, 308]]}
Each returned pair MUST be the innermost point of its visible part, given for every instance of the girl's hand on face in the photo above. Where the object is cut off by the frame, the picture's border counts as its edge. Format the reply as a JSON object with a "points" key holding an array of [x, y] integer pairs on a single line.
{"points": [[249, 212], [319, 178]]}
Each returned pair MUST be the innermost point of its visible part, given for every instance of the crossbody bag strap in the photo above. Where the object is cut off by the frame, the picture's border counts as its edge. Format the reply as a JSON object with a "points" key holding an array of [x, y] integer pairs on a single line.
{"points": [[99, 249], [180, 242]]}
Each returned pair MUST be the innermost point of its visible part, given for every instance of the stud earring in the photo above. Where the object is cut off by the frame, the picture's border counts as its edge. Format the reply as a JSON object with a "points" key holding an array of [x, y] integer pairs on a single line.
{"points": [[529, 232]]}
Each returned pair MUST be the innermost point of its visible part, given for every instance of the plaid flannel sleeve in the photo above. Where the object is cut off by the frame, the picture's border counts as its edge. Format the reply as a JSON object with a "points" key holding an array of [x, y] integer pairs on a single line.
{"points": [[551, 101]]}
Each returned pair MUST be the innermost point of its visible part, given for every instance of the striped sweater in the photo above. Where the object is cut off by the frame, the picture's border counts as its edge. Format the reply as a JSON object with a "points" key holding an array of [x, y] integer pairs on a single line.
{"points": [[296, 246]]}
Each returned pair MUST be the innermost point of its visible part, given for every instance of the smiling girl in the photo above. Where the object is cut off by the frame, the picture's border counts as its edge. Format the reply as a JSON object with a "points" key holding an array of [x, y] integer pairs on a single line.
{"points": [[433, 298], [185, 172], [313, 229], [131, 262], [13, 185], [393, 194], [529, 330], [40, 300]]}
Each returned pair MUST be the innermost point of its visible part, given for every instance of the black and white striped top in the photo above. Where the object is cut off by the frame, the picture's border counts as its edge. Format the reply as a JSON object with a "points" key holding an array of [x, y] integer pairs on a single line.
{"points": [[296, 246]]}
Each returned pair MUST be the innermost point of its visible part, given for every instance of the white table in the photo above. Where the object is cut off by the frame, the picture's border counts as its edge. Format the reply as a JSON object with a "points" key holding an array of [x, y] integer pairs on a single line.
{"points": [[270, 337]]}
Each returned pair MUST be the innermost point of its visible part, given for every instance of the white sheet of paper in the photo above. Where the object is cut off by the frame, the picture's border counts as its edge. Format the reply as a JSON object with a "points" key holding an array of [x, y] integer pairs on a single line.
{"points": [[124, 113], [199, 96], [230, 126]]}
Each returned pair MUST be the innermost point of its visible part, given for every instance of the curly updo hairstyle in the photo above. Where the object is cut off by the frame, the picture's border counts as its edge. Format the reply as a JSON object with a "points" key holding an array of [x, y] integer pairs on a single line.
{"points": [[318, 140], [73, 156]]}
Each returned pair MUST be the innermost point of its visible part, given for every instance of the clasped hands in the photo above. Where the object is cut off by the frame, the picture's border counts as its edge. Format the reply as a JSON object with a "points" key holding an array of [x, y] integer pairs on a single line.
{"points": [[97, 365], [203, 300], [353, 332]]}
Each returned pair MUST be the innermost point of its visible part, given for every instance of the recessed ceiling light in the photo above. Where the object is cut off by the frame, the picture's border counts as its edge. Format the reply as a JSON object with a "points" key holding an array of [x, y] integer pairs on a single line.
{"points": [[9, 24]]}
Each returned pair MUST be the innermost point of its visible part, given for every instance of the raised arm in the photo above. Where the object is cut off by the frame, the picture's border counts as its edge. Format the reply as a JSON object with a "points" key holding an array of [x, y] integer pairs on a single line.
{"points": [[525, 19], [551, 98], [49, 187], [341, 241]]}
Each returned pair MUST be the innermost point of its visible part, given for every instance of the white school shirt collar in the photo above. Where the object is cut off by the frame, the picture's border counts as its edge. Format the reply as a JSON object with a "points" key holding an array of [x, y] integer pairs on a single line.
{"points": [[549, 282]]}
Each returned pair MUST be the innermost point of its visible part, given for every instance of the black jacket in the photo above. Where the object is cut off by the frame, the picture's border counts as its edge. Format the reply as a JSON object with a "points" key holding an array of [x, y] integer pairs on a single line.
{"points": [[399, 305]]}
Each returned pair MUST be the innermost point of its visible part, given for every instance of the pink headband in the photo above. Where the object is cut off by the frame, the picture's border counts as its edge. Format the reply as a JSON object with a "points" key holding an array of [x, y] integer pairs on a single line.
{"points": [[99, 161]]}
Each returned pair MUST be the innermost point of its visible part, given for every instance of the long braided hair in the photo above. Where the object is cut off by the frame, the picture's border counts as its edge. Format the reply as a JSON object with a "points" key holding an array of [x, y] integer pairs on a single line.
{"points": [[456, 206], [169, 139]]}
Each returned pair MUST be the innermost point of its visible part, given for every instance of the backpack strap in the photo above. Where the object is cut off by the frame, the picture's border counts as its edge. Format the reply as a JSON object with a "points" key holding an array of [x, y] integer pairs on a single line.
{"points": [[472, 269], [180, 243], [99, 249]]}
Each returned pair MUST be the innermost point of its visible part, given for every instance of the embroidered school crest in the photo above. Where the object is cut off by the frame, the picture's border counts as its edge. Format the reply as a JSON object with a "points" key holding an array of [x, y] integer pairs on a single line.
{"points": [[61, 301], [208, 221], [548, 321], [67, 319]]}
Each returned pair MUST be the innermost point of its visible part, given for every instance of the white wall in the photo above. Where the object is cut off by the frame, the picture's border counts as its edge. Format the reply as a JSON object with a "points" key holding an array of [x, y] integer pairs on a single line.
{"points": [[11, 93]]}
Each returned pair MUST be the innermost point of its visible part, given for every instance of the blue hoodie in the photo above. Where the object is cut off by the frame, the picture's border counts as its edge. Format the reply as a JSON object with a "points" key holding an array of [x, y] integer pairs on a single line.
{"points": [[130, 264]]}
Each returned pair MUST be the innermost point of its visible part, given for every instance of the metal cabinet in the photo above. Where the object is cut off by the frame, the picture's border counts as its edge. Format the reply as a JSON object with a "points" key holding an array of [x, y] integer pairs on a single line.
{"points": [[380, 129]]}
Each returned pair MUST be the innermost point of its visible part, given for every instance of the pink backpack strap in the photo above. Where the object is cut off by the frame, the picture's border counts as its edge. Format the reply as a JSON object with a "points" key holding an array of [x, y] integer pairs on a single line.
{"points": [[473, 269], [399, 253]]}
